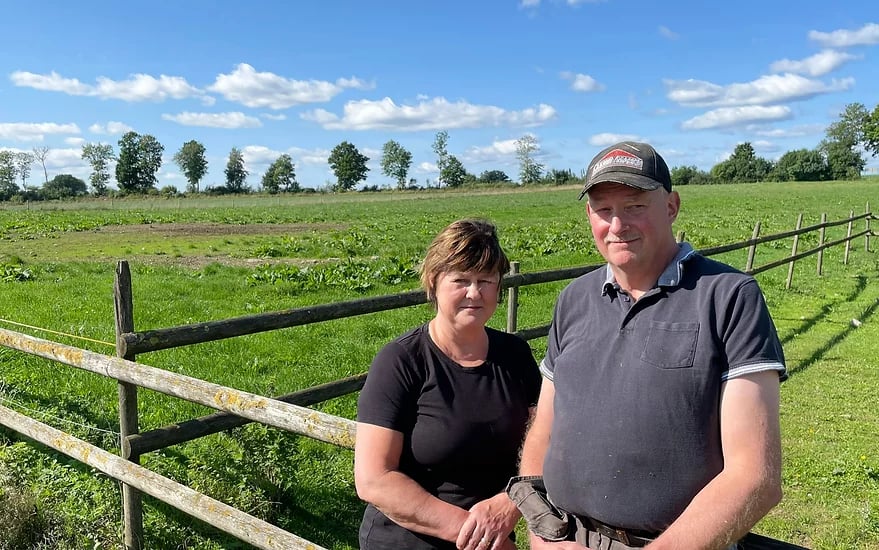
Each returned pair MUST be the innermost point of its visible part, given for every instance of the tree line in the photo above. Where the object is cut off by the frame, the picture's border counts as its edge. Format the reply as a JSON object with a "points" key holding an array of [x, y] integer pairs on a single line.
{"points": [[840, 155]]}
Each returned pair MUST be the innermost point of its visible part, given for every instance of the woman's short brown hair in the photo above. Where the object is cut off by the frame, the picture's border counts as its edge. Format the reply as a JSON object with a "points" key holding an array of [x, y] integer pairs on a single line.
{"points": [[464, 245]]}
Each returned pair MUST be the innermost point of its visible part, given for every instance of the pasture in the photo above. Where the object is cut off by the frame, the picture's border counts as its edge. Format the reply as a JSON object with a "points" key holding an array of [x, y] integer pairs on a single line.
{"points": [[202, 259]]}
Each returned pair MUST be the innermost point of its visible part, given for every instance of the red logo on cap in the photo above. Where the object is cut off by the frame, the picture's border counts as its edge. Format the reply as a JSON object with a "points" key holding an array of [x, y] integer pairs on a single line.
{"points": [[618, 157]]}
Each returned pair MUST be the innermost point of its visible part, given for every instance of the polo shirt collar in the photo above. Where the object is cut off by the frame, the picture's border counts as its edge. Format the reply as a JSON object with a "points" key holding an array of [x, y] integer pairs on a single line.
{"points": [[670, 277]]}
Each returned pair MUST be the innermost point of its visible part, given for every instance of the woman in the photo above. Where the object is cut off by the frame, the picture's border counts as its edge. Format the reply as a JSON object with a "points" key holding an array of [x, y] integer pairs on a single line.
{"points": [[444, 409]]}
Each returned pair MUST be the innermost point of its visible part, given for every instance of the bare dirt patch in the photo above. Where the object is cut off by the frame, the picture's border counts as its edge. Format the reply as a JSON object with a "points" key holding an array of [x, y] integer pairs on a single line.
{"points": [[213, 229], [196, 262]]}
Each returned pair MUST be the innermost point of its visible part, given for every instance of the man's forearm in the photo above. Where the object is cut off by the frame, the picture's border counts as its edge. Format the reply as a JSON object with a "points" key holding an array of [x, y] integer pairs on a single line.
{"points": [[722, 512]]}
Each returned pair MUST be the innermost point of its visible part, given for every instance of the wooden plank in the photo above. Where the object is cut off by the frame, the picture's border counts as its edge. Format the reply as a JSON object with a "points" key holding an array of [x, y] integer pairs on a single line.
{"points": [[171, 337], [222, 516], [301, 420], [221, 421]]}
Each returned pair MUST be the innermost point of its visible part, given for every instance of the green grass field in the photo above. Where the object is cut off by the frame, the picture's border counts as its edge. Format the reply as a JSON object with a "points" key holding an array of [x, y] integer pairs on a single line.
{"points": [[200, 259]]}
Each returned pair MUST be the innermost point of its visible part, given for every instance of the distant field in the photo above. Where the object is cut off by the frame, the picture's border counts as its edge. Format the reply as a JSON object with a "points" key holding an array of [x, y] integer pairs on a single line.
{"points": [[200, 259]]}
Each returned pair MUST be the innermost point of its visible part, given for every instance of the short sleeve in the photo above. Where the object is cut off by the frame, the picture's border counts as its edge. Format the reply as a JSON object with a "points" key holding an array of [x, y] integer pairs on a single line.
{"points": [[388, 397], [547, 365], [750, 339]]}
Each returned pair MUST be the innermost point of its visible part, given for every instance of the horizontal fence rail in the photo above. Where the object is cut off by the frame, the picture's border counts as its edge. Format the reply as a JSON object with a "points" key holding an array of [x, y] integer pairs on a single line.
{"points": [[226, 518], [293, 418], [174, 434], [197, 333]]}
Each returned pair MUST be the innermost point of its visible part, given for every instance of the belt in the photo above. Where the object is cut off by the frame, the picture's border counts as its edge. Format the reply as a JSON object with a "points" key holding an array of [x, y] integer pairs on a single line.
{"points": [[629, 537]]}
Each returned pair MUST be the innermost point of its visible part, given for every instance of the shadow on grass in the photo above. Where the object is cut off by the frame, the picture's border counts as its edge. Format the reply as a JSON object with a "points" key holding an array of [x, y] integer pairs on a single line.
{"points": [[840, 336], [825, 310]]}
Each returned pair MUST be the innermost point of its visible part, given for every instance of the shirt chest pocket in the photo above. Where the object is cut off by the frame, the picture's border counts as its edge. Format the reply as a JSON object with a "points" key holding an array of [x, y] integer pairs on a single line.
{"points": [[670, 345]]}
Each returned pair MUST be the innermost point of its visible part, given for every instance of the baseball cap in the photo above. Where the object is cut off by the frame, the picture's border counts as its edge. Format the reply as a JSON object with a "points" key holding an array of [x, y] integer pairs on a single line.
{"points": [[630, 163]]}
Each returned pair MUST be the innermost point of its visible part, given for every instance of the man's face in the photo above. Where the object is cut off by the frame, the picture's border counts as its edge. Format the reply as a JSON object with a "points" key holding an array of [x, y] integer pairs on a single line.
{"points": [[632, 228]]}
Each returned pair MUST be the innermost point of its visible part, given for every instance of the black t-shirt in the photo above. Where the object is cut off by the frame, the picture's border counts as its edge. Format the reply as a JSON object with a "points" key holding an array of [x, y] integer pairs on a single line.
{"points": [[462, 426]]}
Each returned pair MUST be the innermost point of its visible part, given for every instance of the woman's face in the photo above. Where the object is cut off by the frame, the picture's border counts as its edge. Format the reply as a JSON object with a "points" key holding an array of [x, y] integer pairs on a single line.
{"points": [[466, 299]]}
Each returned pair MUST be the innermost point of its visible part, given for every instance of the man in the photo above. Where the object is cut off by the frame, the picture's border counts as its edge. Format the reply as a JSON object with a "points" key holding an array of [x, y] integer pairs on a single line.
{"points": [[657, 424]]}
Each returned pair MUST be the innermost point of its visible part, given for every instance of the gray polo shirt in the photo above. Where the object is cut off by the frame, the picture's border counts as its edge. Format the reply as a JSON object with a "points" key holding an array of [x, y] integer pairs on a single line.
{"points": [[636, 429]]}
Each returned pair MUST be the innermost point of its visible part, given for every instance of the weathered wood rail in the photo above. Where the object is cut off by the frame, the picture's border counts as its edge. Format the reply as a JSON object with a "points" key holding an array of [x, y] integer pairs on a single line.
{"points": [[288, 412]]}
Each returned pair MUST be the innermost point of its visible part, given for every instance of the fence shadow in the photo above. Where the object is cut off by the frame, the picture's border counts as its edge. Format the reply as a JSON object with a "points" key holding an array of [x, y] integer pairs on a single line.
{"points": [[835, 340], [807, 324], [840, 336]]}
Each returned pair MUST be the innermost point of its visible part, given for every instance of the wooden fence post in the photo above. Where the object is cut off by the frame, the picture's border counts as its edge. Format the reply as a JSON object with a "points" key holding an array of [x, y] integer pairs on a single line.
{"points": [[793, 252], [867, 235], [513, 301], [752, 250], [848, 237], [821, 243], [132, 501]]}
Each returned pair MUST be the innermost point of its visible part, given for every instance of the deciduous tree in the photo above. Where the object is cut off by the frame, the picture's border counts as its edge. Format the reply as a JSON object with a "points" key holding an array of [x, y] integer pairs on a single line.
{"points": [[280, 176], [440, 144], [871, 132], [742, 166], [8, 187], [689, 175], [840, 145], [454, 174], [801, 165], [236, 174], [41, 153], [64, 186], [396, 161], [493, 176], [98, 155], [529, 170], [192, 162], [348, 164], [23, 162], [140, 157]]}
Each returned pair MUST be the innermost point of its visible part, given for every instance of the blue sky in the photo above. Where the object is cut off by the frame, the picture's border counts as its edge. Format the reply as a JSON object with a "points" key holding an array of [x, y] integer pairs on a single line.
{"points": [[693, 79]]}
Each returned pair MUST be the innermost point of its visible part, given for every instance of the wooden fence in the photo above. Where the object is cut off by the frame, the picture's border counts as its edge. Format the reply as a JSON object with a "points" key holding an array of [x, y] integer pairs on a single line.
{"points": [[287, 412]]}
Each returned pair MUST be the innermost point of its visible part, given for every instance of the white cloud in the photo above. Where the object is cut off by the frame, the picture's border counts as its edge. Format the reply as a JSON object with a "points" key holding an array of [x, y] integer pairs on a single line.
{"points": [[435, 114], [215, 120], [34, 131], [843, 38], [764, 90], [309, 156], [582, 82], [498, 150], [269, 116], [255, 155], [797, 131], [819, 64], [139, 87], [112, 128], [267, 90], [74, 141], [668, 33], [66, 160], [529, 3], [726, 117], [605, 139], [428, 168]]}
